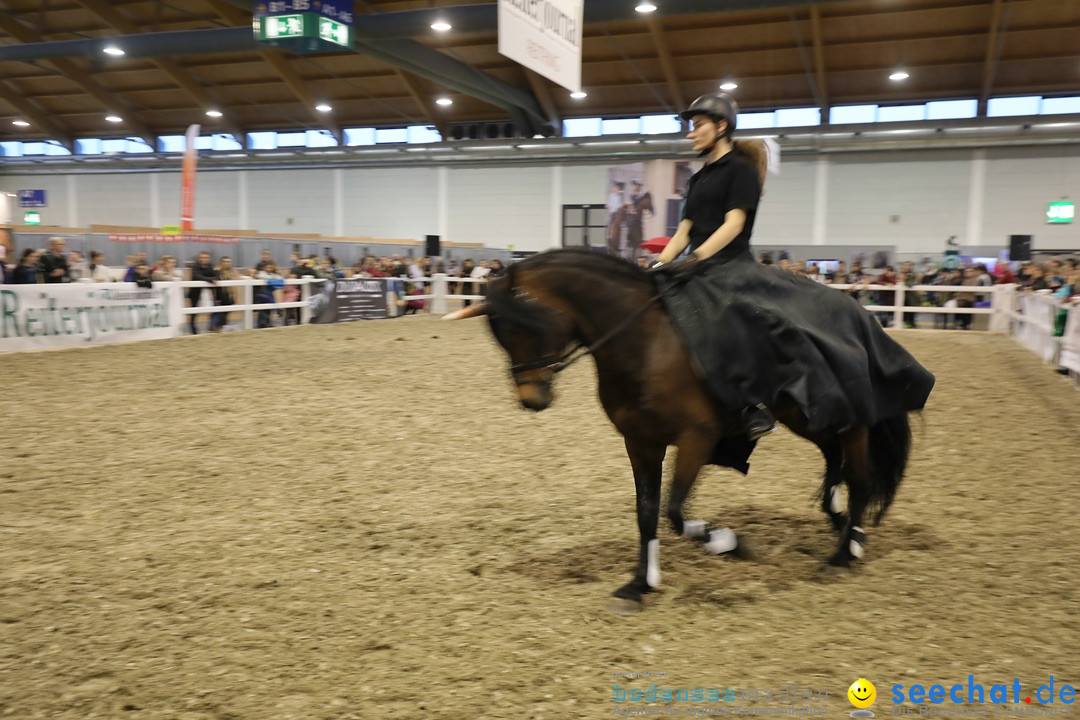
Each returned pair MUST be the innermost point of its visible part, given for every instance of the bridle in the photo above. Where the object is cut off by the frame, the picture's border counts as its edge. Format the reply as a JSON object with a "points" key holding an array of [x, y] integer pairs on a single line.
{"points": [[554, 363]]}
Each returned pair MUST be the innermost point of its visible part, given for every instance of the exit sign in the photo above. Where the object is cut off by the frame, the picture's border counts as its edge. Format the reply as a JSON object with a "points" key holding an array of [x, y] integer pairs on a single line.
{"points": [[1060, 212], [304, 26], [31, 217]]}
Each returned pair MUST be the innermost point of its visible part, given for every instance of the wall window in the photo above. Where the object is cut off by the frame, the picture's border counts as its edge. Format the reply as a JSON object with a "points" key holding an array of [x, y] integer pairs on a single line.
{"points": [[418, 134], [753, 121], [391, 135], [951, 109], [621, 126], [11, 148], [1058, 106], [256, 141], [120, 146], [291, 139], [320, 138], [359, 136], [853, 114], [225, 142], [581, 127], [1006, 106], [661, 124], [901, 113], [798, 117], [91, 146]]}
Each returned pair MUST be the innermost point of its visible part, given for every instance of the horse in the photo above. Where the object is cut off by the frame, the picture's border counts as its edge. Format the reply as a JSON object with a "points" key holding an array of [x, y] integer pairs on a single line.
{"points": [[557, 306]]}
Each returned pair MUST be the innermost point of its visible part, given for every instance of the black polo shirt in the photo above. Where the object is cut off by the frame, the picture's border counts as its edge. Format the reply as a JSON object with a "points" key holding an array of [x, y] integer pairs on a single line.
{"points": [[728, 184]]}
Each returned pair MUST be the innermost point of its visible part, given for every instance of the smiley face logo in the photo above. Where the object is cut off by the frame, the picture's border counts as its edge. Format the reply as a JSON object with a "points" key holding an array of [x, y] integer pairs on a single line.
{"points": [[862, 693]]}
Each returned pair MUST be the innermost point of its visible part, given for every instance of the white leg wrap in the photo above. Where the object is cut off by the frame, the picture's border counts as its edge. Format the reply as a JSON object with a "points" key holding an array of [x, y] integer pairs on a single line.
{"points": [[835, 501], [721, 541], [855, 547], [693, 528], [652, 572]]}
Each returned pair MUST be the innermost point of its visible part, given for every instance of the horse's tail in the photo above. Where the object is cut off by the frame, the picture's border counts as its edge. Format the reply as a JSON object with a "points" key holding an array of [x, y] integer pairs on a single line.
{"points": [[890, 446]]}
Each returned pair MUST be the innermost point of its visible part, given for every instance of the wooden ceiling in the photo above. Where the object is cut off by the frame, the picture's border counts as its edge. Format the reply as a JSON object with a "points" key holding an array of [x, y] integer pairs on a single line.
{"points": [[788, 56]]}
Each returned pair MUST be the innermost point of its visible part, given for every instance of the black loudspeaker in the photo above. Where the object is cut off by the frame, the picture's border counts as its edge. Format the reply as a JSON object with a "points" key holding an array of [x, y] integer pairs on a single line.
{"points": [[432, 245], [1019, 248]]}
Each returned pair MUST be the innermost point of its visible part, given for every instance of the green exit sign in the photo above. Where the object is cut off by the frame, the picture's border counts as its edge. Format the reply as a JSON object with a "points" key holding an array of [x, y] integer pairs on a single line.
{"points": [[327, 30], [1060, 212], [31, 217]]}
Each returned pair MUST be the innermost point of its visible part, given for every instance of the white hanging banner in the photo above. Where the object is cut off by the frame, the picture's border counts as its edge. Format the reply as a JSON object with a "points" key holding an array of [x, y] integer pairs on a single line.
{"points": [[544, 36]]}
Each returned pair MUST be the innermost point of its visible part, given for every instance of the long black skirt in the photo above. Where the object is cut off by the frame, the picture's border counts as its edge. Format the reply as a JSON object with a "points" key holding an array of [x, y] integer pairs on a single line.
{"points": [[760, 334]]}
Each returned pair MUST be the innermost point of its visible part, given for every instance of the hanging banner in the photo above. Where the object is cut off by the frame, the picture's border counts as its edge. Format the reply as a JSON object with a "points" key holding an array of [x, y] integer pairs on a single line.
{"points": [[170, 238], [78, 314], [544, 36], [187, 186]]}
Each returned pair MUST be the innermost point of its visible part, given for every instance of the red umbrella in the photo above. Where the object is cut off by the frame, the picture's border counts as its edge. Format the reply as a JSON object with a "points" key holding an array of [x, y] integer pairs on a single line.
{"points": [[656, 244]]}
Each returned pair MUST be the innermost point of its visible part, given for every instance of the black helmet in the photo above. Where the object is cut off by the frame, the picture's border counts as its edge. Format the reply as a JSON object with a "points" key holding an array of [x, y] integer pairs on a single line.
{"points": [[720, 106]]}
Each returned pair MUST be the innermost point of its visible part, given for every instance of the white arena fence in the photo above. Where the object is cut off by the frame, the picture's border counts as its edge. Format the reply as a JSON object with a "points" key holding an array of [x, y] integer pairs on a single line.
{"points": [[77, 314]]}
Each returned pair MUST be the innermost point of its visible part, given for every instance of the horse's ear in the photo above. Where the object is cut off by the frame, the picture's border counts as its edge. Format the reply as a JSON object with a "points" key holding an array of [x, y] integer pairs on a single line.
{"points": [[467, 312]]}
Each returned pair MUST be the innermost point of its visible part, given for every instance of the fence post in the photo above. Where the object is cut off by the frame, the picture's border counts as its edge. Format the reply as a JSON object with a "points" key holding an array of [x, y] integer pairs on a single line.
{"points": [[249, 296], [1001, 302], [439, 288], [898, 302], [305, 310]]}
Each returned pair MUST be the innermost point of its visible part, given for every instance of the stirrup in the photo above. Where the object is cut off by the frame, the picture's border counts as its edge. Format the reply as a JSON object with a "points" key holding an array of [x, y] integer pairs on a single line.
{"points": [[758, 421]]}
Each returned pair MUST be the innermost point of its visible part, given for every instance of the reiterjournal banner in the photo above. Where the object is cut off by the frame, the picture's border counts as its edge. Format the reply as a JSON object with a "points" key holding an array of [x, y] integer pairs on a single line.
{"points": [[544, 36], [80, 314]]}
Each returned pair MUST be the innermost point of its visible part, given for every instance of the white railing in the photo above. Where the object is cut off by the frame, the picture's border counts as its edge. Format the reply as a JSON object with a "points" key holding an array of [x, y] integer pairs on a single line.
{"points": [[247, 305]]}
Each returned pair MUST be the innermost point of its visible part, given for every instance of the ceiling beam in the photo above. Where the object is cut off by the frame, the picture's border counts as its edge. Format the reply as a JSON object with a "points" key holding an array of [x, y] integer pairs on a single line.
{"points": [[819, 61], [179, 75], [663, 52], [412, 84], [108, 99], [543, 96], [993, 52], [41, 121]]}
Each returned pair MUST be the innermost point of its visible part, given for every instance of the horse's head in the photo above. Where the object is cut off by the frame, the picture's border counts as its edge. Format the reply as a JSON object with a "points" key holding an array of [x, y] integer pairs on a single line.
{"points": [[533, 334]]}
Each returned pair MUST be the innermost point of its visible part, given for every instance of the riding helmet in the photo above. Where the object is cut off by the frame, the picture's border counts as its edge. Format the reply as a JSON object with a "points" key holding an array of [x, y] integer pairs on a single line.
{"points": [[718, 106]]}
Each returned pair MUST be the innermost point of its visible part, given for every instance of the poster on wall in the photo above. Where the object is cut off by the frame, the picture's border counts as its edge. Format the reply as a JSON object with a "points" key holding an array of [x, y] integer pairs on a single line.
{"points": [[644, 202]]}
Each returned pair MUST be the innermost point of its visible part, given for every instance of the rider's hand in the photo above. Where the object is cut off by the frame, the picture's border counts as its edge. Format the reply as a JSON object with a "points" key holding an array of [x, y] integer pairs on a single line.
{"points": [[680, 270]]}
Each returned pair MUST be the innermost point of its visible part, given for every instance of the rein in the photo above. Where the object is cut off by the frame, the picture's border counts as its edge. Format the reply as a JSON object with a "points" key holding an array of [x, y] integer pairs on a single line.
{"points": [[571, 356]]}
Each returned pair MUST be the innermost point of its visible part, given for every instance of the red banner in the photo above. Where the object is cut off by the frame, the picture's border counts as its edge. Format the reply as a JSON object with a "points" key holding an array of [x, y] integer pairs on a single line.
{"points": [[158, 238], [187, 182]]}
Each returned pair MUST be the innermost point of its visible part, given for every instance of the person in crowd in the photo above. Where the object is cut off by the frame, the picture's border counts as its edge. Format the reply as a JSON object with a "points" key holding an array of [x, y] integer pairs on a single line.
{"points": [[291, 293], [99, 272], [204, 271], [132, 262], [1003, 274], [268, 290], [886, 297], [909, 279], [497, 269], [28, 271], [467, 268], [966, 299], [142, 276], [264, 259], [54, 263], [78, 267], [166, 270], [224, 296]]}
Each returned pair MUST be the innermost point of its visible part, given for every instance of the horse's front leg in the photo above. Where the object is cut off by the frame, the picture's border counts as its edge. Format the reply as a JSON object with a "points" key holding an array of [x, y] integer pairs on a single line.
{"points": [[647, 459], [694, 451]]}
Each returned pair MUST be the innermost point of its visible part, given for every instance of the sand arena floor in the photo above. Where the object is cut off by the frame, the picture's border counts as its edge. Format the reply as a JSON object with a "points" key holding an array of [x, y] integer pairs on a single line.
{"points": [[356, 521]]}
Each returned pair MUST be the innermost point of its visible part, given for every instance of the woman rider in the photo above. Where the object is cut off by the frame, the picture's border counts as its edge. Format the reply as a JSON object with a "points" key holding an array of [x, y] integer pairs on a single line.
{"points": [[760, 336], [721, 204]]}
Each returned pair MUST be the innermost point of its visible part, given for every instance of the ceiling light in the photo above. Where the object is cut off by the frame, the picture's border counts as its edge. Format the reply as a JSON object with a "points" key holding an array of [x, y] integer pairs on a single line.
{"points": [[441, 26], [728, 85], [645, 7], [213, 113], [898, 76], [20, 123], [323, 107], [444, 101], [112, 50], [114, 118], [579, 94]]}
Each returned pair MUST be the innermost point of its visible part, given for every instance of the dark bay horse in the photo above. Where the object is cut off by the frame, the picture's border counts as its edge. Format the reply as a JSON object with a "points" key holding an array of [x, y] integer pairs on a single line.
{"points": [[549, 303]]}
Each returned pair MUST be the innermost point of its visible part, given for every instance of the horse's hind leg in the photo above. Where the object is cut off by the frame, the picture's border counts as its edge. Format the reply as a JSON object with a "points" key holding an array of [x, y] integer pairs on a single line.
{"points": [[693, 452], [831, 501], [856, 472], [648, 462]]}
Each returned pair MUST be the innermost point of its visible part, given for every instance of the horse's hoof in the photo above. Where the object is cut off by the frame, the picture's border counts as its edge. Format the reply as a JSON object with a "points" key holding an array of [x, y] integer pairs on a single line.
{"points": [[838, 561], [625, 606]]}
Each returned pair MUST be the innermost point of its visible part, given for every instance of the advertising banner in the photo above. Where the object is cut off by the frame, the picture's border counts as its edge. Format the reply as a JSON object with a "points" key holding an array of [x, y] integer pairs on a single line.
{"points": [[544, 36], [79, 314], [341, 300], [187, 179]]}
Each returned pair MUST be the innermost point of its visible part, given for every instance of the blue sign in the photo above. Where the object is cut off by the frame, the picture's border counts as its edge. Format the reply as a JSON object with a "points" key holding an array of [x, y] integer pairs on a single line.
{"points": [[31, 198]]}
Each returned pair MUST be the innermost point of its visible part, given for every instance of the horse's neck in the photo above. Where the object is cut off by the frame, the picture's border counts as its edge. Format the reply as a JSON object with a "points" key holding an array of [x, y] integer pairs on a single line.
{"points": [[597, 303]]}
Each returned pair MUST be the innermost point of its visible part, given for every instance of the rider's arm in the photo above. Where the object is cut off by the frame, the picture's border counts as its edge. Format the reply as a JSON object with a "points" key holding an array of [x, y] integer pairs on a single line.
{"points": [[734, 221], [677, 243]]}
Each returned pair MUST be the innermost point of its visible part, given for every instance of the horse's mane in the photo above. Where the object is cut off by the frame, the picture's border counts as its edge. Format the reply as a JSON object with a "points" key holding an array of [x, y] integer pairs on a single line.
{"points": [[507, 305]]}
